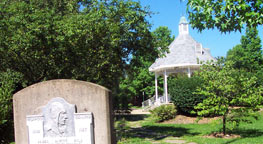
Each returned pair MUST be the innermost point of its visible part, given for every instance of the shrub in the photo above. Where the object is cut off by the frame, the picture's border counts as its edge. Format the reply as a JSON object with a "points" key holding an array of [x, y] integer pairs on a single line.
{"points": [[8, 85], [10, 81], [164, 112], [182, 94]]}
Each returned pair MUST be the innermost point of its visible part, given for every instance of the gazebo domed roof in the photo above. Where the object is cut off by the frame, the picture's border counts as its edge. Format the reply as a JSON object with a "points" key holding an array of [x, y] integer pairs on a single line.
{"points": [[184, 52]]}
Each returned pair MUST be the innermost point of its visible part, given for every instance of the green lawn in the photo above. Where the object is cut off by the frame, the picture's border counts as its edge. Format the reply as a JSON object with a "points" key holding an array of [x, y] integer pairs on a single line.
{"points": [[146, 132]]}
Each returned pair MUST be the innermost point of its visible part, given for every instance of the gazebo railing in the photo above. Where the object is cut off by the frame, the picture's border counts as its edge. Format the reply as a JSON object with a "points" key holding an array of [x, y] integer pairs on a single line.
{"points": [[149, 102], [152, 101], [162, 100]]}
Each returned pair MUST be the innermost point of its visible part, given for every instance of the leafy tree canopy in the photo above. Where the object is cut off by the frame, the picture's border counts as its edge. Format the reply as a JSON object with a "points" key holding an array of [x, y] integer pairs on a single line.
{"points": [[248, 54], [10, 82], [52, 39], [162, 39], [231, 93], [226, 15], [138, 79]]}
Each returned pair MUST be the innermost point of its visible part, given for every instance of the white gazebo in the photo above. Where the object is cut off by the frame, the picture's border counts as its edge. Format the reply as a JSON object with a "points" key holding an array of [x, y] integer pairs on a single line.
{"points": [[185, 56]]}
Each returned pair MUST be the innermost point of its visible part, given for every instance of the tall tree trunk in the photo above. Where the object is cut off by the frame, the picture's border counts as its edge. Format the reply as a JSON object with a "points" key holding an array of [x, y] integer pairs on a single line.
{"points": [[224, 124]]}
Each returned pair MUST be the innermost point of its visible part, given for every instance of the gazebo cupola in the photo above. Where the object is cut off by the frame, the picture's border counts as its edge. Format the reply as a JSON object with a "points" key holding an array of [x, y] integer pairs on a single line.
{"points": [[183, 26]]}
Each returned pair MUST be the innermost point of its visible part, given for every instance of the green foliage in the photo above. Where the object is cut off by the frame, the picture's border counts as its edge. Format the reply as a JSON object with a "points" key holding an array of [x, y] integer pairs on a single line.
{"points": [[226, 87], [182, 94], [54, 39], [237, 82], [49, 40], [138, 79], [162, 39], [164, 112], [248, 54], [246, 57], [137, 86], [9, 82], [227, 15], [239, 115]]}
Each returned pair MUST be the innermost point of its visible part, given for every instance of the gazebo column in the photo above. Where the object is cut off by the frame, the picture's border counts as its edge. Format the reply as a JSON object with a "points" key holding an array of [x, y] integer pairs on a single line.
{"points": [[156, 87], [189, 72], [165, 86]]}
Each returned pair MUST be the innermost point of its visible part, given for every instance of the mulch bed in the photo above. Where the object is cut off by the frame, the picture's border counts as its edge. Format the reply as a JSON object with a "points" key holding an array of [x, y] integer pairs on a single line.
{"points": [[182, 119], [221, 135]]}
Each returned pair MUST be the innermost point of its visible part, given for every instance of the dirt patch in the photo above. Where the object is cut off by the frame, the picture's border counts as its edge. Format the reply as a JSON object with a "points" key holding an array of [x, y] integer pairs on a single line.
{"points": [[139, 111], [181, 119], [221, 135], [175, 141]]}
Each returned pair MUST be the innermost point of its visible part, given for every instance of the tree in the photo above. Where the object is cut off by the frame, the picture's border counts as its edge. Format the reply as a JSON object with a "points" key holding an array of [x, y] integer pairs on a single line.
{"points": [[10, 81], [226, 15], [248, 54], [162, 39], [137, 83], [52, 39], [138, 79], [231, 93]]}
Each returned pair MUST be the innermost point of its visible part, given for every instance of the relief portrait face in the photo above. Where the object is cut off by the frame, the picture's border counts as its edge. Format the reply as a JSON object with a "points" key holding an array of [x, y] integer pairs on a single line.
{"points": [[58, 120], [62, 118]]}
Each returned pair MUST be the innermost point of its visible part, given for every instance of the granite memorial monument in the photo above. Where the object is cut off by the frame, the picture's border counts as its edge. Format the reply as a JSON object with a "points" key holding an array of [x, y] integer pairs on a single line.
{"points": [[63, 112]]}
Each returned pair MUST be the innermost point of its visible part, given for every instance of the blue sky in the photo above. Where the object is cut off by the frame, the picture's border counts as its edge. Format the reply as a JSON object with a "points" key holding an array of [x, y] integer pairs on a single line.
{"points": [[169, 13]]}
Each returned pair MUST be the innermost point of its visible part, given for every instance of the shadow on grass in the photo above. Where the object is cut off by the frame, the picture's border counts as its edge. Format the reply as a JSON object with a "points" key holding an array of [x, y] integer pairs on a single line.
{"points": [[246, 133], [159, 132], [156, 132], [131, 117]]}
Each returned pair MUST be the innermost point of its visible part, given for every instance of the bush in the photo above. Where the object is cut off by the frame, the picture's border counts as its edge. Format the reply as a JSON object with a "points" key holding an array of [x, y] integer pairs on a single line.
{"points": [[182, 94], [8, 85], [10, 82], [164, 112]]}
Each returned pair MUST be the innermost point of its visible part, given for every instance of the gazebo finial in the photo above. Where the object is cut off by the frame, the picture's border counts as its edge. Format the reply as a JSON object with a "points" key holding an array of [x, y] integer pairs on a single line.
{"points": [[183, 8]]}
